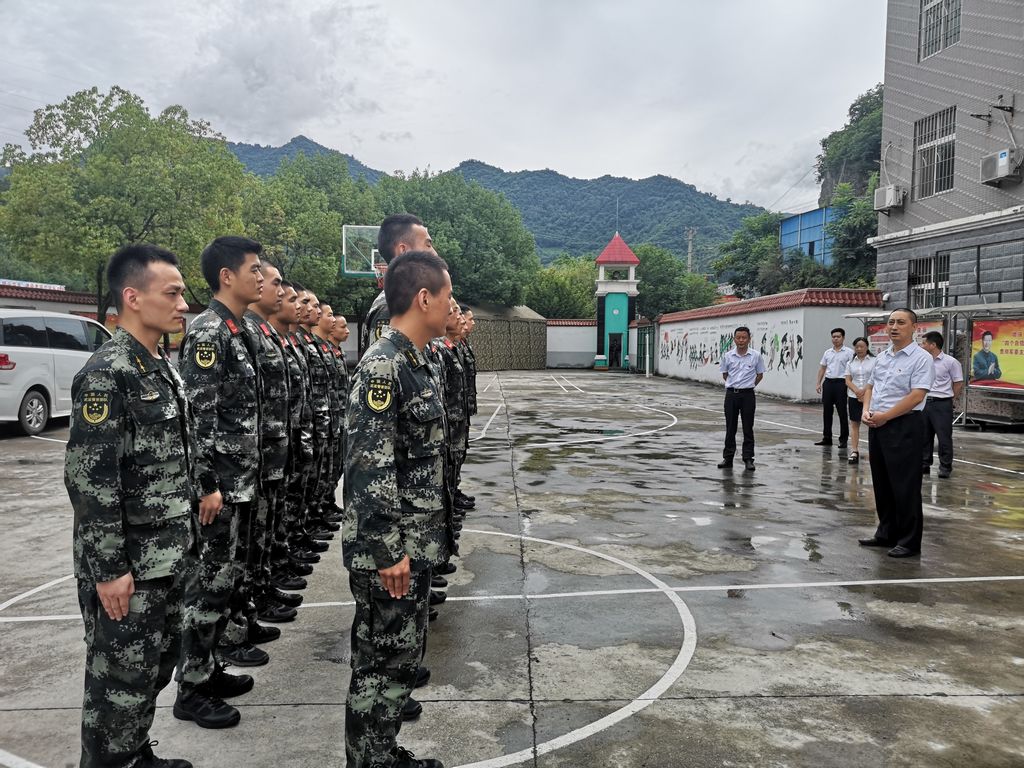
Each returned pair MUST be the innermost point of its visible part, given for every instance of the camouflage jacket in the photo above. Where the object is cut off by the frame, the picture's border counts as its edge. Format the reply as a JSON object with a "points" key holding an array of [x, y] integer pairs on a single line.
{"points": [[319, 384], [127, 467], [341, 379], [300, 405], [222, 384], [469, 357], [337, 406], [376, 320], [274, 404], [394, 464], [453, 378]]}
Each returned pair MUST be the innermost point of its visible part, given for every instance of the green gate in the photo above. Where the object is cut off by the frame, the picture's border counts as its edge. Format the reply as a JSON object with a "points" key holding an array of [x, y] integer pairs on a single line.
{"points": [[645, 351]]}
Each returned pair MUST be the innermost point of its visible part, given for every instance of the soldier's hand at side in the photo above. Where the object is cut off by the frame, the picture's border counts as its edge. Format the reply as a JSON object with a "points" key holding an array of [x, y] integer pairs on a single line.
{"points": [[209, 507], [396, 578], [114, 595]]}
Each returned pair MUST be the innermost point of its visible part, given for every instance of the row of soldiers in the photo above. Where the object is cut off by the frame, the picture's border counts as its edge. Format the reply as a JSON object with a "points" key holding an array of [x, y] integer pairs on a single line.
{"points": [[250, 429]]}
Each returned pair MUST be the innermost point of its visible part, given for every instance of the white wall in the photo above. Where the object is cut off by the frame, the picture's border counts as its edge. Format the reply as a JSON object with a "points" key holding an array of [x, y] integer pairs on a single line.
{"points": [[792, 341], [571, 346], [632, 348]]}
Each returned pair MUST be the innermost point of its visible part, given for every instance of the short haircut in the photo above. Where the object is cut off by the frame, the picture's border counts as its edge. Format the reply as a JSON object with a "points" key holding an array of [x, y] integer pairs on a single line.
{"points": [[935, 338], [464, 308], [987, 333], [407, 274], [286, 284], [838, 330], [265, 262], [228, 251], [742, 328], [299, 287], [908, 310], [393, 230], [859, 339], [127, 268]]}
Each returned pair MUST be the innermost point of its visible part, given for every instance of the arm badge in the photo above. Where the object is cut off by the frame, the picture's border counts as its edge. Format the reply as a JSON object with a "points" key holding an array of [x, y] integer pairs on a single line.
{"points": [[206, 354], [95, 407], [379, 394]]}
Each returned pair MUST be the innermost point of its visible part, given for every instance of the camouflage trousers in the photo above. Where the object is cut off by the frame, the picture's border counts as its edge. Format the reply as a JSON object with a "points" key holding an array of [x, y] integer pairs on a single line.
{"points": [[338, 463], [254, 550], [296, 494], [388, 637], [459, 438], [127, 664], [214, 598]]}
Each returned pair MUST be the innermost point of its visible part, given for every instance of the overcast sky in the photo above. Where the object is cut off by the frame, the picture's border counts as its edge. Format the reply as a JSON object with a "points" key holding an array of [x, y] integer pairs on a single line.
{"points": [[732, 96]]}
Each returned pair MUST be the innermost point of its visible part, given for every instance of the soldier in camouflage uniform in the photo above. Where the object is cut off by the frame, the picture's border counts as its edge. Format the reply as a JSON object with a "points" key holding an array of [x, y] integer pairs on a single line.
{"points": [[398, 234], [394, 526], [322, 332], [127, 472], [221, 380], [338, 337], [270, 602], [462, 500]]}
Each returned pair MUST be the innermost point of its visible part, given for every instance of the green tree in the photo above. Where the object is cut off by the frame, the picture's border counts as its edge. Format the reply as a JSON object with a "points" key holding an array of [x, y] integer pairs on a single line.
{"points": [[752, 257], [104, 173], [665, 285], [491, 254], [850, 155], [565, 288], [853, 260]]}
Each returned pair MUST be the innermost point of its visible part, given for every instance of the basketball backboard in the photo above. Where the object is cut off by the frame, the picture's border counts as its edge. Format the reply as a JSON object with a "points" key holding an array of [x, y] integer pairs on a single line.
{"points": [[359, 255]]}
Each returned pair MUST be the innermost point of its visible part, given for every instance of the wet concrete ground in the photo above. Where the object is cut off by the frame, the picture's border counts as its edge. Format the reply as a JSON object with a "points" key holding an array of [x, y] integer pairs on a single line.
{"points": [[619, 602]]}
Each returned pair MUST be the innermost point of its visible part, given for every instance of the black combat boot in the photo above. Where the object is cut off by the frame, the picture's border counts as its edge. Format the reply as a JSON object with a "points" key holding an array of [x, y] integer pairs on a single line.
{"points": [[288, 599], [412, 710], [204, 710], [149, 760], [261, 634], [244, 654], [406, 759], [226, 686]]}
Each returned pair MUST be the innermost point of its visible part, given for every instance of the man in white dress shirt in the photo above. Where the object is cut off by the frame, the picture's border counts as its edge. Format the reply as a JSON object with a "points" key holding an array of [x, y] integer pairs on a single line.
{"points": [[938, 408], [832, 388], [742, 369]]}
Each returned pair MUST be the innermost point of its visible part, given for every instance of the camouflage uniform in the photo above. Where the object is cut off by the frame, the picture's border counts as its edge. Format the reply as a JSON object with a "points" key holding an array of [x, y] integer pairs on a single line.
{"points": [[453, 375], [394, 506], [320, 394], [341, 386], [274, 413], [469, 357], [376, 320], [127, 472], [221, 380], [303, 455]]}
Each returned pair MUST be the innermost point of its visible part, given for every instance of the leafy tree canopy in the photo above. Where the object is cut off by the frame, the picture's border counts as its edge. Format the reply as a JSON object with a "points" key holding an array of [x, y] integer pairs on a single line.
{"points": [[851, 154], [666, 286]]}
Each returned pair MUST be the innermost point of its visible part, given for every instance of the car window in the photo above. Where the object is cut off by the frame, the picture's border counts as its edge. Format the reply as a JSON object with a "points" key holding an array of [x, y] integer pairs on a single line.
{"points": [[25, 332], [97, 335], [67, 333]]}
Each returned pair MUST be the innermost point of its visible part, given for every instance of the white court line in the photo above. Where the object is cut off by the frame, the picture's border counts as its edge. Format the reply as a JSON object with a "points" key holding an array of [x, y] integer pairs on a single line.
{"points": [[606, 438], [559, 383], [49, 439], [33, 591], [489, 383], [862, 440], [567, 381], [488, 424], [13, 761]]}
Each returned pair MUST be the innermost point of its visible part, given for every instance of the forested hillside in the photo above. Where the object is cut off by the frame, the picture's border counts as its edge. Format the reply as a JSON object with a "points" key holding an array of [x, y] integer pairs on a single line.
{"points": [[264, 161], [576, 216]]}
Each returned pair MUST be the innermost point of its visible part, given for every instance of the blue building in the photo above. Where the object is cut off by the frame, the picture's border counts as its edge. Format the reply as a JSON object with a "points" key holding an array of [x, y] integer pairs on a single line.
{"points": [[806, 232]]}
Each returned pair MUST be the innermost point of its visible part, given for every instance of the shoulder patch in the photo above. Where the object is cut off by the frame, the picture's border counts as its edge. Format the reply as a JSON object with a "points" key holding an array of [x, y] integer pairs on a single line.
{"points": [[265, 329], [379, 394], [413, 358], [232, 326], [95, 407], [206, 354]]}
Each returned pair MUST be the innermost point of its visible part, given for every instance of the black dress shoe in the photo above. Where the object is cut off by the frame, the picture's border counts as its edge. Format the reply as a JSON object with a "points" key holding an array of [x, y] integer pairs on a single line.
{"points": [[244, 655], [406, 759], [901, 551], [926, 470], [288, 599], [873, 542], [412, 709], [422, 677], [438, 582], [446, 569], [944, 473], [725, 464], [436, 598], [749, 465], [825, 443], [261, 634]]}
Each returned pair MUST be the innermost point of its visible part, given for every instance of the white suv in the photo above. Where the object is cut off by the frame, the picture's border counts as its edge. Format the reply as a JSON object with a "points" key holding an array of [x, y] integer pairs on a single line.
{"points": [[40, 353]]}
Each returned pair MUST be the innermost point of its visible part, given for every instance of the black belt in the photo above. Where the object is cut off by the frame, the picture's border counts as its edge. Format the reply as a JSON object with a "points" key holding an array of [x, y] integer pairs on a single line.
{"points": [[835, 378], [939, 398], [739, 389]]}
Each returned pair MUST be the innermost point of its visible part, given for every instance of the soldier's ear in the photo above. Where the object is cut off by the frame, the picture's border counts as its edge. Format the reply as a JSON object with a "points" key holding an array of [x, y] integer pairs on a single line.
{"points": [[130, 297]]}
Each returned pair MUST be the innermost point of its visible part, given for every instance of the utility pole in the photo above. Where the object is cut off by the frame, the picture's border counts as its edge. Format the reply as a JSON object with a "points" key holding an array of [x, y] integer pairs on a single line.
{"points": [[689, 248]]}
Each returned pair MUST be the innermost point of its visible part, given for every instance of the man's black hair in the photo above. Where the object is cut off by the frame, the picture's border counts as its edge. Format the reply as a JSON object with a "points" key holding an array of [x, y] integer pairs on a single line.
{"points": [[463, 308], [838, 330], [407, 274], [299, 287], [935, 338], [228, 251], [987, 333], [742, 328], [287, 284], [908, 310], [394, 230], [128, 266]]}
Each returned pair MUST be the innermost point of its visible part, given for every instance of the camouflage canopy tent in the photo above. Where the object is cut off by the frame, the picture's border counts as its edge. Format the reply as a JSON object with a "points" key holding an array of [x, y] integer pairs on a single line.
{"points": [[508, 338]]}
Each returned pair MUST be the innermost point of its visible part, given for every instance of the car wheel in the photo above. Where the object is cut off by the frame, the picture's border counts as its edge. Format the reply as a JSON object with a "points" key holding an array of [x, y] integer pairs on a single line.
{"points": [[33, 413]]}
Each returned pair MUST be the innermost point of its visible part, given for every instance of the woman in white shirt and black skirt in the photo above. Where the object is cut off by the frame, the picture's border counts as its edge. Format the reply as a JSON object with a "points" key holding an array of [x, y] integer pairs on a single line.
{"points": [[858, 374]]}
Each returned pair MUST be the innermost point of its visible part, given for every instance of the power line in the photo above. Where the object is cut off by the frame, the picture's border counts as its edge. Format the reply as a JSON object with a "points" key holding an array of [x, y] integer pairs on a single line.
{"points": [[772, 206]]}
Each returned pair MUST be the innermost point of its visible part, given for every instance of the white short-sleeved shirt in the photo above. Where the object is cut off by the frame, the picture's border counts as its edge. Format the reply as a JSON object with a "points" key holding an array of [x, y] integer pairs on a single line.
{"points": [[859, 372], [835, 361], [947, 371], [897, 373], [742, 370]]}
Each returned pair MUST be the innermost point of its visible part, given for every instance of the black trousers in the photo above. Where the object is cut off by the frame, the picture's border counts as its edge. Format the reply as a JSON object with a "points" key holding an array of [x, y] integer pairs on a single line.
{"points": [[739, 405], [833, 395], [938, 421], [896, 477]]}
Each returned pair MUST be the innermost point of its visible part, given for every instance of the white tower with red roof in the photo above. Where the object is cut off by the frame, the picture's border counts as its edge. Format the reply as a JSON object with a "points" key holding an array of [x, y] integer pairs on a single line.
{"points": [[616, 303]]}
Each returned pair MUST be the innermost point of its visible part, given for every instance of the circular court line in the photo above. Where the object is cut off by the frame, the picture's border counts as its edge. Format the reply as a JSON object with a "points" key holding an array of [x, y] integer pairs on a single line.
{"points": [[606, 438]]}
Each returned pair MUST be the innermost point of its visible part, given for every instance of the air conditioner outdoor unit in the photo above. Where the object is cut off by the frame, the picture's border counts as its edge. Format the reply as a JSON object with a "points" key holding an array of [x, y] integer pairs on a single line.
{"points": [[888, 197], [1002, 166]]}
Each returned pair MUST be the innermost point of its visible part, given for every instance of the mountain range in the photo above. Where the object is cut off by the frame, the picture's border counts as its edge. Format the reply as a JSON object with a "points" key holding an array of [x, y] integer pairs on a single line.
{"points": [[567, 215]]}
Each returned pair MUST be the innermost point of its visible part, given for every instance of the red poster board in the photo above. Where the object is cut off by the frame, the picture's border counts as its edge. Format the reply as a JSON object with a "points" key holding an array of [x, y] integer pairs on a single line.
{"points": [[997, 354]]}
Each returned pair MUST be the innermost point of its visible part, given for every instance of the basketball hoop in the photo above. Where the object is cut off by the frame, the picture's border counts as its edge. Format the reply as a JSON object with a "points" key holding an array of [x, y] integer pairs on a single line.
{"points": [[379, 268]]}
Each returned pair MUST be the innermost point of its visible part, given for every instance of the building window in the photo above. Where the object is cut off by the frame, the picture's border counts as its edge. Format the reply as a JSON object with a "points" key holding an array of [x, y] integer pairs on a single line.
{"points": [[939, 27], [928, 281], [934, 153]]}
